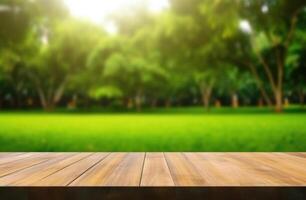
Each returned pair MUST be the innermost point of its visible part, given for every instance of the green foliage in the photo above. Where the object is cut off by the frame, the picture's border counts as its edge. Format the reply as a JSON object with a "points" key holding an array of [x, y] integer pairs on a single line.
{"points": [[261, 42], [105, 92], [194, 48], [14, 21]]}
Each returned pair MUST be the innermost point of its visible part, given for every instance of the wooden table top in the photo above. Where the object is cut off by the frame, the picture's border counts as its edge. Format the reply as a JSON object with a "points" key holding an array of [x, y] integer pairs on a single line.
{"points": [[152, 169]]}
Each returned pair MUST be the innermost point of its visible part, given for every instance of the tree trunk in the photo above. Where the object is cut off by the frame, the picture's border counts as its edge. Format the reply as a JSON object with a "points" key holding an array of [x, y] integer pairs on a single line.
{"points": [[42, 97], [206, 95], [129, 103], [138, 101], [235, 100], [29, 101], [279, 100], [206, 90], [72, 104], [266, 97], [279, 105], [206, 100], [57, 96], [218, 103], [260, 84], [49, 106], [49, 101]]}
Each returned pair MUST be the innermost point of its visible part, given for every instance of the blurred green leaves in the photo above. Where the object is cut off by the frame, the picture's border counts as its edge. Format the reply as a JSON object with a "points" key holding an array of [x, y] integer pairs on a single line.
{"points": [[178, 56]]}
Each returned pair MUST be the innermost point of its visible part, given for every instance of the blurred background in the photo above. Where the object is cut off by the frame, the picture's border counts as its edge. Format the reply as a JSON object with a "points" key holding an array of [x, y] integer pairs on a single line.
{"points": [[152, 75]]}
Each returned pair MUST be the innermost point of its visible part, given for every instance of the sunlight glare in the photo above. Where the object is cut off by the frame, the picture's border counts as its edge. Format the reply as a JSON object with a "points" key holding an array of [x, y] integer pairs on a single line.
{"points": [[98, 11], [245, 26], [158, 5]]}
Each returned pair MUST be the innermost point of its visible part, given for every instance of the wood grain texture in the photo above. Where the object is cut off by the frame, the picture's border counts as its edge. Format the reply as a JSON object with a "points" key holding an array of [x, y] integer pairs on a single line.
{"points": [[34, 174], [152, 169], [182, 171], [254, 173], [281, 168], [128, 172], [9, 155], [214, 169], [13, 157], [301, 155], [156, 171], [118, 169], [99, 174], [67, 175], [28, 161]]}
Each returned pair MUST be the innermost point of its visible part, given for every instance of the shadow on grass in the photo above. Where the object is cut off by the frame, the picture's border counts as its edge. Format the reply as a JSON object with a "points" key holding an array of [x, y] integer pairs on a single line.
{"points": [[162, 111]]}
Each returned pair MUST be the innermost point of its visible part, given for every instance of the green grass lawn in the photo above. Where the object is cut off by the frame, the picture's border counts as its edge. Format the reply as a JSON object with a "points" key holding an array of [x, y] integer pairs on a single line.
{"points": [[164, 130]]}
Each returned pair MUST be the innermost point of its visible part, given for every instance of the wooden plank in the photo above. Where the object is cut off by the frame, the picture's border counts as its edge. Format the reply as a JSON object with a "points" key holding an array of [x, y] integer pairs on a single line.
{"points": [[214, 169], [128, 172], [33, 174], [156, 171], [301, 155], [153, 169], [67, 175], [291, 160], [14, 157], [118, 169], [20, 164], [290, 166], [272, 171], [5, 180], [253, 173], [221, 170], [5, 155], [99, 174], [182, 171], [256, 174]]}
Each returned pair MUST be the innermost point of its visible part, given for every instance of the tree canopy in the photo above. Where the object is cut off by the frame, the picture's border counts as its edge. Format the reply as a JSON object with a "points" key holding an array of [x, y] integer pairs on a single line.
{"points": [[240, 52]]}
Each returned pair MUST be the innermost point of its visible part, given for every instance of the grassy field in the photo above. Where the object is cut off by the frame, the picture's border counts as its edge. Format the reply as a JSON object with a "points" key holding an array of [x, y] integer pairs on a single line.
{"points": [[163, 130]]}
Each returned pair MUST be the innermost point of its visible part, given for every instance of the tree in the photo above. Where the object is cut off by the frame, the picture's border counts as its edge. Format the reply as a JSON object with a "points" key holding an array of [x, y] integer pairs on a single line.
{"points": [[205, 38], [195, 49], [15, 21], [271, 35], [14, 73], [206, 81], [62, 59], [235, 81], [130, 61], [295, 76]]}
